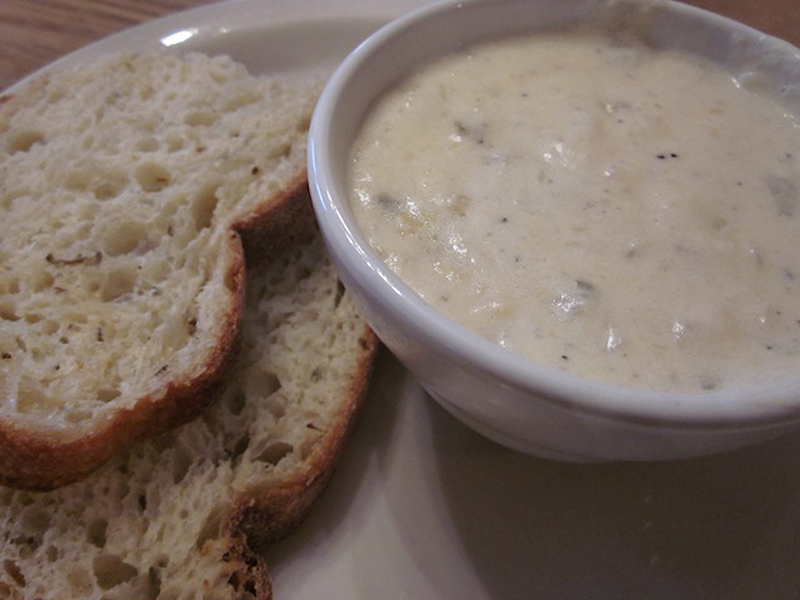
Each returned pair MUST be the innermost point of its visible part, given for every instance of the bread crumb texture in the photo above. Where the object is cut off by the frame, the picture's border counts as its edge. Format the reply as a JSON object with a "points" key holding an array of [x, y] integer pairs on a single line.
{"points": [[155, 522], [118, 187]]}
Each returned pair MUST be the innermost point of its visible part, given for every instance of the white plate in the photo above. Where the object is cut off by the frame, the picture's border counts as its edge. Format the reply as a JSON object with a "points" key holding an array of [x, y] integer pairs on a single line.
{"points": [[422, 507]]}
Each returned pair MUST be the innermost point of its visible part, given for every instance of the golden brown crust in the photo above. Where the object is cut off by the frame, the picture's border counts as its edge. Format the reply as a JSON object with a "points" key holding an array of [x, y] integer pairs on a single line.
{"points": [[42, 460], [286, 221]]}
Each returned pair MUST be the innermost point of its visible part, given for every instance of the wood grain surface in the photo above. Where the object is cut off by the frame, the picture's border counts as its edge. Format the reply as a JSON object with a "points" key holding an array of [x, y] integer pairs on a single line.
{"points": [[35, 32]]}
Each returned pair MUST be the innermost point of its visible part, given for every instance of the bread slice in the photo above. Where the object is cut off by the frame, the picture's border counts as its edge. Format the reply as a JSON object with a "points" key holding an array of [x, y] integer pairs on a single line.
{"points": [[175, 517], [127, 189]]}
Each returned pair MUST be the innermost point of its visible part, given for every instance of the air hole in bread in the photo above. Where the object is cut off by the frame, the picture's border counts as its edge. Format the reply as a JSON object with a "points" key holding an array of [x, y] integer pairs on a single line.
{"points": [[50, 327], [124, 489], [204, 205], [231, 280], [85, 230], [153, 591], [240, 447], [337, 299], [26, 546], [191, 325], [200, 118], [118, 283], [274, 452], [150, 124], [173, 336], [235, 581], [303, 272], [276, 406], [180, 464], [210, 529], [51, 554], [31, 399], [96, 533], [110, 571], [79, 179], [35, 521], [249, 586], [8, 312], [125, 237], [236, 402], [110, 184], [24, 140], [9, 285], [77, 415], [40, 281], [33, 318], [174, 143], [153, 273], [148, 144], [108, 394], [76, 320], [12, 570], [262, 384], [280, 151], [152, 177]]}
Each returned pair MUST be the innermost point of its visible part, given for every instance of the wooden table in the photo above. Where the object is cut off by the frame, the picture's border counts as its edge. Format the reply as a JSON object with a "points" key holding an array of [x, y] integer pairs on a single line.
{"points": [[35, 32]]}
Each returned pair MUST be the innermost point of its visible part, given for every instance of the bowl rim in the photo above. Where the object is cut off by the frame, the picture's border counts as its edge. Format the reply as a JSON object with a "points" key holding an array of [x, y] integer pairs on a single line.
{"points": [[736, 408]]}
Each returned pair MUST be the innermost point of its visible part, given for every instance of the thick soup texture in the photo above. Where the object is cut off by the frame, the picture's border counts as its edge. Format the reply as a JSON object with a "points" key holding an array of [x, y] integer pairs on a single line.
{"points": [[627, 214]]}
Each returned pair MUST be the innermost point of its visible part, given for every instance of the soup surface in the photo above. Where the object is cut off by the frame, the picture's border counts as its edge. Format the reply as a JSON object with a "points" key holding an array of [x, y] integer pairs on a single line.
{"points": [[627, 214]]}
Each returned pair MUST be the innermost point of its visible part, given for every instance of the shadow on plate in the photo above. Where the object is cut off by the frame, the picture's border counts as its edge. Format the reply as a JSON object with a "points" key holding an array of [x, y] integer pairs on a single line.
{"points": [[727, 526]]}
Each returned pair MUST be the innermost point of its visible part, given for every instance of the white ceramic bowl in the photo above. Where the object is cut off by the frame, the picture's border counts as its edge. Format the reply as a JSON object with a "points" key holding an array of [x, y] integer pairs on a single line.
{"points": [[518, 403]]}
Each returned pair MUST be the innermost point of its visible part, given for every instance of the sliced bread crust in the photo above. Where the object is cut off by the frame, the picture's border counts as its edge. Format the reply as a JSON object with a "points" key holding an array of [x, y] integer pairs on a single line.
{"points": [[181, 515], [127, 190]]}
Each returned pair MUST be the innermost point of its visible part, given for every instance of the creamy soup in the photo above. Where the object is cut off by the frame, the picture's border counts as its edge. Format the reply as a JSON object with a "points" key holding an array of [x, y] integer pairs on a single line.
{"points": [[626, 214]]}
